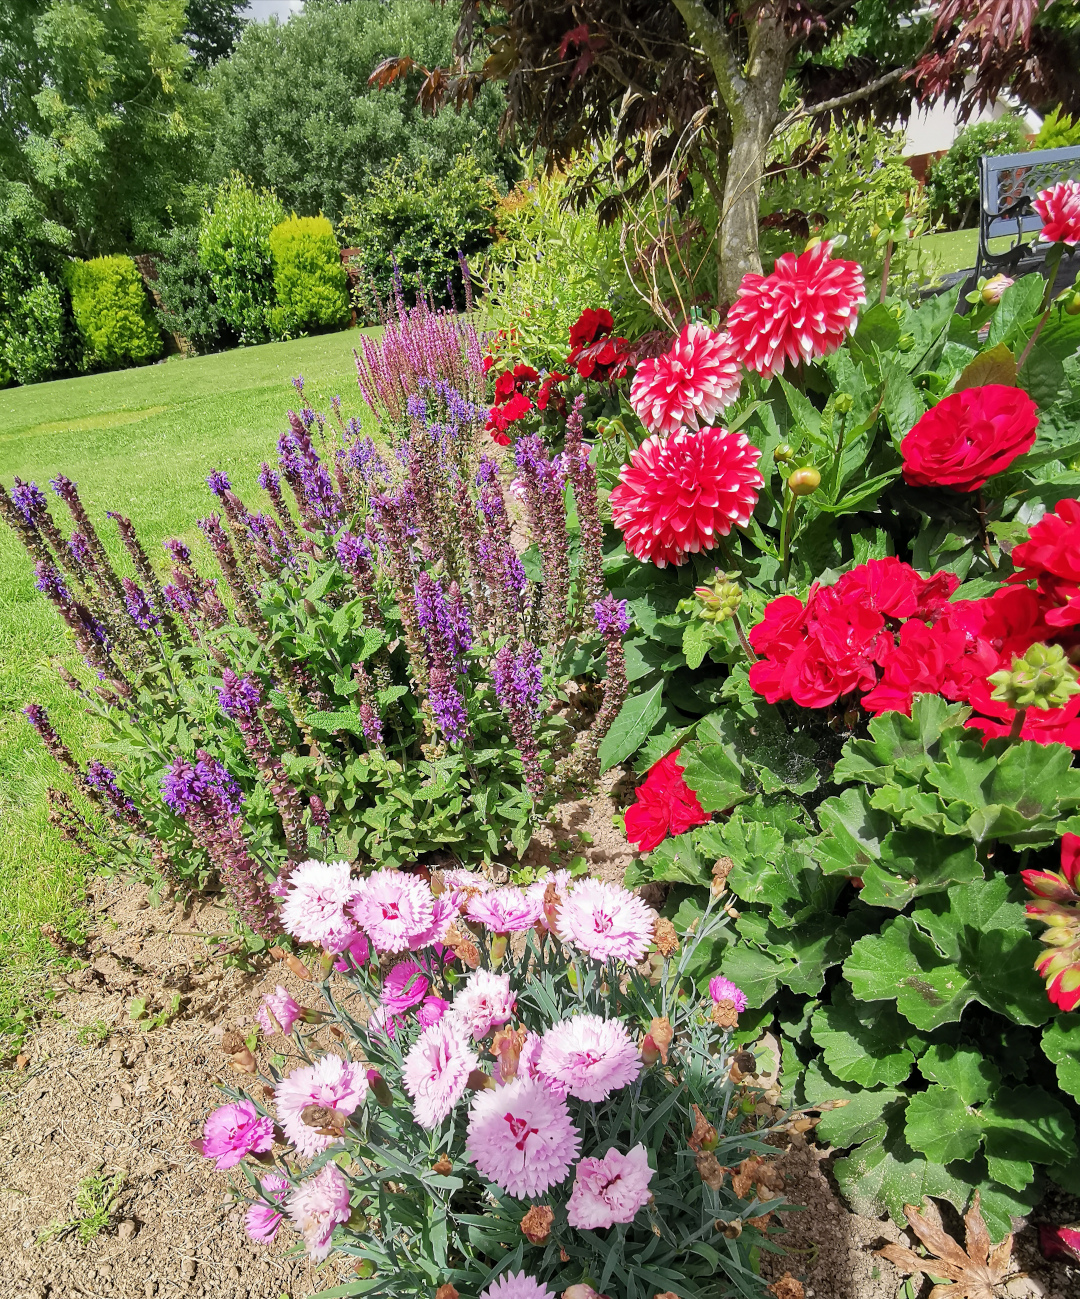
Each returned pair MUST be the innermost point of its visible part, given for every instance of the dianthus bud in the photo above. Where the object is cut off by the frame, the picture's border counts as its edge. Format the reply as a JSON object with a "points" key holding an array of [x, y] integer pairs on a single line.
{"points": [[843, 402], [297, 966], [379, 1088], [1043, 678], [581, 1291], [655, 1044], [238, 1051], [480, 1081], [784, 454], [498, 949], [446, 1291], [803, 482]]}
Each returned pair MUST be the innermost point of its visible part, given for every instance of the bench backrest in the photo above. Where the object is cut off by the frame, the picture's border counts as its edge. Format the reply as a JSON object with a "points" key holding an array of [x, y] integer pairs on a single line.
{"points": [[1012, 179]]}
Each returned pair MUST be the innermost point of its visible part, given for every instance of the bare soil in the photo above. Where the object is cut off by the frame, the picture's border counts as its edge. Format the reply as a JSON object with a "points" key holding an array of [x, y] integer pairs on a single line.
{"points": [[93, 1092]]}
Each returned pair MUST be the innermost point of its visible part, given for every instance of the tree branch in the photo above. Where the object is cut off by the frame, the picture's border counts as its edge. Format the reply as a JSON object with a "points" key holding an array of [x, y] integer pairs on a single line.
{"points": [[708, 31], [840, 101]]}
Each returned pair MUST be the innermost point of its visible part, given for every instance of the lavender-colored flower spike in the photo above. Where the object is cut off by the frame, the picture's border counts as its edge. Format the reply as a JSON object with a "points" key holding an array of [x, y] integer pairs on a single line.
{"points": [[239, 697], [218, 483], [298, 384], [612, 616], [29, 499], [50, 583]]}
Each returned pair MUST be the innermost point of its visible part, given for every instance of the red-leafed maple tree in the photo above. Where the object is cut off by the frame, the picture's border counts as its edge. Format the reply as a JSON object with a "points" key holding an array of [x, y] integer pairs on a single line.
{"points": [[685, 87]]}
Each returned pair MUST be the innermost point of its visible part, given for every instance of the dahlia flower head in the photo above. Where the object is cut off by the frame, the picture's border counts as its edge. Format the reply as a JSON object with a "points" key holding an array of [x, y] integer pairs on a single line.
{"points": [[679, 494], [801, 312], [690, 384], [1059, 207]]}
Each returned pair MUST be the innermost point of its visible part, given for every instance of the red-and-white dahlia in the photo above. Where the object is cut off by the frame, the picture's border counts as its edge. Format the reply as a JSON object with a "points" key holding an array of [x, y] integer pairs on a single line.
{"points": [[690, 384], [1059, 207], [800, 312], [678, 494]]}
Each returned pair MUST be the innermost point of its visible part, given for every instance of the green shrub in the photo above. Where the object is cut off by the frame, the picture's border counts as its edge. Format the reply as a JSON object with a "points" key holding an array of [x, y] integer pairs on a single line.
{"points": [[858, 186], [37, 334], [234, 246], [309, 279], [189, 308], [421, 221], [1058, 131], [112, 312], [952, 183]]}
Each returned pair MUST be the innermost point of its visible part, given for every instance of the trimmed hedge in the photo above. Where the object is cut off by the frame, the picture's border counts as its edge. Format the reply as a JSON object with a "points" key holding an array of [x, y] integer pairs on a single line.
{"points": [[234, 246], [309, 280], [112, 312]]}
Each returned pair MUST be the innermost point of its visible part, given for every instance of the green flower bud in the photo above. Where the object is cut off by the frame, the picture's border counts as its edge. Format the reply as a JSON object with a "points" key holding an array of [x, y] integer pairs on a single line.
{"points": [[1043, 678], [803, 482], [843, 402], [719, 600], [1072, 307], [784, 454]]}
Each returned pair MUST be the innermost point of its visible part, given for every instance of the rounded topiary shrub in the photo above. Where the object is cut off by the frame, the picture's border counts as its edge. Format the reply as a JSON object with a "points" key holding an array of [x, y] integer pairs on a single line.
{"points": [[112, 312], [310, 282]]}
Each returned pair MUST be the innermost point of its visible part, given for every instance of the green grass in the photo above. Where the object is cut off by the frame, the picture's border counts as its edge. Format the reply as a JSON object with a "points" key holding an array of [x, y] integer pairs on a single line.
{"points": [[139, 442]]}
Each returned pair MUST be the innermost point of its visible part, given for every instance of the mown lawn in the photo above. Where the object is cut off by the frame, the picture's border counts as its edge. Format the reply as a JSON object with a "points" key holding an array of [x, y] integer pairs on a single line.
{"points": [[140, 442]]}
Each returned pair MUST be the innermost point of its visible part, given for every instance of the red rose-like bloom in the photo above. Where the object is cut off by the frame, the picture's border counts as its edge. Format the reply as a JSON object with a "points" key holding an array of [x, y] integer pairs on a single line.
{"points": [[690, 384], [969, 436], [1056, 902], [665, 805], [677, 495], [1051, 558], [801, 311], [1059, 208]]}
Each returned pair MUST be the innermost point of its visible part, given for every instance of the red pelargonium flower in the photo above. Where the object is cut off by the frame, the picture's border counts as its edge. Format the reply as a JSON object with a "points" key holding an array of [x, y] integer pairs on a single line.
{"points": [[544, 392], [690, 384], [1051, 558], [593, 352], [501, 417], [593, 322], [678, 494], [1056, 902], [1059, 208], [969, 436], [800, 312], [665, 805]]}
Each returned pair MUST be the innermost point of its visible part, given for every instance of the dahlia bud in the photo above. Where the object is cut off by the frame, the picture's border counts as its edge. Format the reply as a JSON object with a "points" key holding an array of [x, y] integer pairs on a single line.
{"points": [[803, 482], [843, 402], [784, 454], [1072, 307], [720, 599], [994, 288], [1043, 678]]}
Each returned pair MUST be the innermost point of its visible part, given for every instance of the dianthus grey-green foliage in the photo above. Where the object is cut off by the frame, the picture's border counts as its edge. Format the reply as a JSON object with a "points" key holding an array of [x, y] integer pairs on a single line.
{"points": [[112, 312], [98, 118], [189, 308], [297, 113], [234, 246], [952, 182], [309, 279], [875, 863], [421, 221]]}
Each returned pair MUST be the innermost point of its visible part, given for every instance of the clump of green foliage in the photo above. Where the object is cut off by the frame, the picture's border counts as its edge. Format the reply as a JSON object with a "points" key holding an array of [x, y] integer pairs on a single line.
{"points": [[112, 312], [1058, 131], [421, 221], [309, 279], [952, 182], [97, 1198], [234, 247], [189, 309]]}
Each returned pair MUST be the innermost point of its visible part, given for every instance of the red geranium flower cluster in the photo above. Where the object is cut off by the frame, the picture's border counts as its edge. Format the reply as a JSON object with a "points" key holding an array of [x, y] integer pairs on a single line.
{"points": [[1051, 559], [1057, 904], [511, 402], [1059, 207], [969, 436], [884, 633], [665, 805], [802, 311], [594, 351]]}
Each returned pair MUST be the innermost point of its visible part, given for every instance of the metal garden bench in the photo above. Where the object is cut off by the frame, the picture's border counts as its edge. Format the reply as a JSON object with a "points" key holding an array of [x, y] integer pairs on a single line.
{"points": [[1007, 186]]}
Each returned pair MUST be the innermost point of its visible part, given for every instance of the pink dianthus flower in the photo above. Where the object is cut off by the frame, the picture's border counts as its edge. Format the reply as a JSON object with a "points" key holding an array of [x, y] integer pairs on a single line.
{"points": [[521, 1137], [444, 909], [690, 384], [607, 922], [506, 910], [483, 1003], [317, 1206], [436, 1071], [354, 950], [404, 986], [609, 1190], [314, 907], [562, 882], [431, 1010], [721, 989], [592, 1056], [278, 1012], [393, 908], [261, 1221], [232, 1131], [331, 1082], [516, 1285]]}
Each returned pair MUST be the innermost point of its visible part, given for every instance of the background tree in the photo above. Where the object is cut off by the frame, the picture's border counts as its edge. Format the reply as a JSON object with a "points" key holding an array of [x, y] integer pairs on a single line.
{"points": [[298, 115], [98, 122], [213, 28], [681, 89]]}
